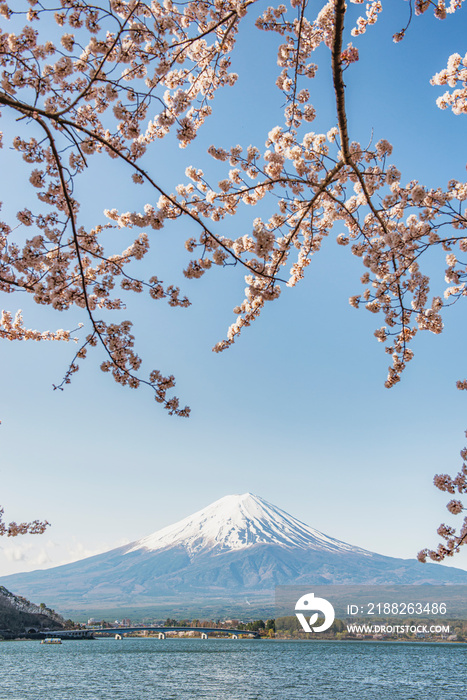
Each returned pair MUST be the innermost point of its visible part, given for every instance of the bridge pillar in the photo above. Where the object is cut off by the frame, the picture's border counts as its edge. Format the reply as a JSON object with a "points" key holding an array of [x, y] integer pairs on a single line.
{"points": [[161, 635], [204, 635]]}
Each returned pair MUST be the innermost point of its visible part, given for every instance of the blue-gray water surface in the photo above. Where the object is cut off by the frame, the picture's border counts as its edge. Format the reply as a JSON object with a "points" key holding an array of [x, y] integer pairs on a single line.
{"points": [[226, 669]]}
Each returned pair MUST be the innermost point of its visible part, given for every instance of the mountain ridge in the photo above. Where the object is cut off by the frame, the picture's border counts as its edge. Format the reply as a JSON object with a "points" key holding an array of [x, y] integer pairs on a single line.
{"points": [[19, 616]]}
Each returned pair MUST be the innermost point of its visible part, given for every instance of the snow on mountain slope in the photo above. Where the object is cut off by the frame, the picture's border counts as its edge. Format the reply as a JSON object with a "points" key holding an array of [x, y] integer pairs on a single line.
{"points": [[238, 522]]}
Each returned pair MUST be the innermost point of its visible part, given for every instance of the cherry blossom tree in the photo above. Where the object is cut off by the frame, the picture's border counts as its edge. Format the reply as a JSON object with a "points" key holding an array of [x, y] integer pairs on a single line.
{"points": [[109, 79]]}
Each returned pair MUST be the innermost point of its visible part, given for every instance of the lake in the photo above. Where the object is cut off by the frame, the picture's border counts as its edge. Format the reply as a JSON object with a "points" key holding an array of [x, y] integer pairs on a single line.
{"points": [[221, 669]]}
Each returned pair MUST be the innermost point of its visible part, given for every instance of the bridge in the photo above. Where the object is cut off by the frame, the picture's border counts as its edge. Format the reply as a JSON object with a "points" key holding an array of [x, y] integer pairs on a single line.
{"points": [[118, 632]]}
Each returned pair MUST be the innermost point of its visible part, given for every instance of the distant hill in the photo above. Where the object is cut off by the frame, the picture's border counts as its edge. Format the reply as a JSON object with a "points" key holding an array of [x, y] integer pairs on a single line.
{"points": [[18, 616], [238, 547]]}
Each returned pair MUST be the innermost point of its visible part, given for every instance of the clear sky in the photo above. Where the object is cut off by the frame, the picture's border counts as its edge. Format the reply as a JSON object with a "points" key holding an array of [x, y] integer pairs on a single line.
{"points": [[296, 411]]}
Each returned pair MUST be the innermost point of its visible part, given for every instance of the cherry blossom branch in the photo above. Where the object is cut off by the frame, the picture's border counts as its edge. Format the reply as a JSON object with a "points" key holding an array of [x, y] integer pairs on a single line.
{"points": [[158, 383], [13, 529]]}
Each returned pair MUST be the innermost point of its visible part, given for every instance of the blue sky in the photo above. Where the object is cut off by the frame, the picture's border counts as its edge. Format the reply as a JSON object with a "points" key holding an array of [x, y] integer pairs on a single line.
{"points": [[296, 411]]}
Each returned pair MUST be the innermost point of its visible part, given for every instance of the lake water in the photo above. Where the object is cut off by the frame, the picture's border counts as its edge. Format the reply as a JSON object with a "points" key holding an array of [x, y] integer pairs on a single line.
{"points": [[221, 669]]}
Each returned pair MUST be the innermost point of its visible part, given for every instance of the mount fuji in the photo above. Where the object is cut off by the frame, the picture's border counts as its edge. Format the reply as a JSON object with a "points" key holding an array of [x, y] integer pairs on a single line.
{"points": [[237, 546]]}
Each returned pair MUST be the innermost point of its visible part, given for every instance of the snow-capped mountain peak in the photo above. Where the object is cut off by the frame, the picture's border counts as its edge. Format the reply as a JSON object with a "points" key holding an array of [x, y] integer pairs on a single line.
{"points": [[237, 522]]}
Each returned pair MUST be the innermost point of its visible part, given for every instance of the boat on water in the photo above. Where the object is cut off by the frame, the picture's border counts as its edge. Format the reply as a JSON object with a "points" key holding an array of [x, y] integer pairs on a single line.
{"points": [[51, 640]]}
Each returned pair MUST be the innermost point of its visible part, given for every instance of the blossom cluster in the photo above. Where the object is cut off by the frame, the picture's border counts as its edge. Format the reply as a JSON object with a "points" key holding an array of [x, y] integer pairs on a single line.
{"points": [[36, 527], [455, 73], [13, 328]]}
